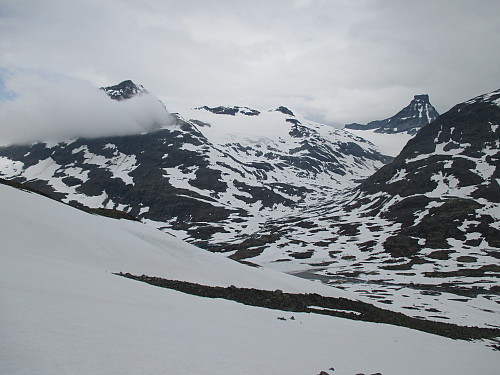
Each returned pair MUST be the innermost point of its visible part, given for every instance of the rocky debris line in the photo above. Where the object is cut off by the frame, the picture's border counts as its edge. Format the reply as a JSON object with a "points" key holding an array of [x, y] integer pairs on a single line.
{"points": [[20, 186], [315, 303]]}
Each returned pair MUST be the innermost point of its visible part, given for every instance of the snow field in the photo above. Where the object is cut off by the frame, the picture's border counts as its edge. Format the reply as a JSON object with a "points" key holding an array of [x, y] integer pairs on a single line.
{"points": [[63, 311]]}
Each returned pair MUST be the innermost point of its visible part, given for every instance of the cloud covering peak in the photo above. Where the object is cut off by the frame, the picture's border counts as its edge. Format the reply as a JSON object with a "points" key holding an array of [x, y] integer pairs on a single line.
{"points": [[36, 106]]}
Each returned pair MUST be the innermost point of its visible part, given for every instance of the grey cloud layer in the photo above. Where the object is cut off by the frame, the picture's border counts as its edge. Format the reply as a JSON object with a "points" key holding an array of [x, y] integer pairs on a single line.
{"points": [[339, 61], [58, 108]]}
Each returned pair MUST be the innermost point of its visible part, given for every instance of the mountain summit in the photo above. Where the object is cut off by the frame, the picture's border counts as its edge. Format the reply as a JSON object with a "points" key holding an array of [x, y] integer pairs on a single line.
{"points": [[410, 119], [124, 90]]}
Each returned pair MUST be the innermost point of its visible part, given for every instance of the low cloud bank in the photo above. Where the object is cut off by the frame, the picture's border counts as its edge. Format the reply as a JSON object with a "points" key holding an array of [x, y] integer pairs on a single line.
{"points": [[39, 107]]}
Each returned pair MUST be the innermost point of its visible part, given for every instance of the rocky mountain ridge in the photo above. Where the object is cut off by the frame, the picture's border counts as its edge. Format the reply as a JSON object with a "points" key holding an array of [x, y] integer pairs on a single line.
{"points": [[213, 174]]}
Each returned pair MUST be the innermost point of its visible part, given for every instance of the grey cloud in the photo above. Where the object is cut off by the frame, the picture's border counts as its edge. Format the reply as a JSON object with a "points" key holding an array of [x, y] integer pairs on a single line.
{"points": [[356, 61], [57, 107]]}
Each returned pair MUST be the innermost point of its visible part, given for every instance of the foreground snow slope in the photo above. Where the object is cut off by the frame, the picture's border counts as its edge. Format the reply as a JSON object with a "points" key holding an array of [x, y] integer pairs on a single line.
{"points": [[62, 311]]}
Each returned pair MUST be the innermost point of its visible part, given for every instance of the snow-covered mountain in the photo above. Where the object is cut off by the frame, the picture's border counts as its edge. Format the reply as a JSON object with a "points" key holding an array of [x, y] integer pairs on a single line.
{"points": [[421, 234], [65, 311], [390, 135], [213, 174]]}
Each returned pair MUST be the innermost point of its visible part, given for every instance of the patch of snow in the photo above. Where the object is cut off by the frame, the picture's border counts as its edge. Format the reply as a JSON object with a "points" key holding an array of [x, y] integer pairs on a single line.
{"points": [[143, 210], [77, 150], [78, 173], [448, 186], [10, 167], [51, 144], [43, 170], [110, 146]]}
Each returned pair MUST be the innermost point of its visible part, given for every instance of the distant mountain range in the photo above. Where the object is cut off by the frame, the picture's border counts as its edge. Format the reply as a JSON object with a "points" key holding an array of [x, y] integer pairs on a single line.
{"points": [[210, 175], [427, 222]]}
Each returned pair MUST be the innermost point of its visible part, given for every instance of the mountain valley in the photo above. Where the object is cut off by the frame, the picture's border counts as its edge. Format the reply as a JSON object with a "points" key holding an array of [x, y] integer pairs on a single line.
{"points": [[414, 232]]}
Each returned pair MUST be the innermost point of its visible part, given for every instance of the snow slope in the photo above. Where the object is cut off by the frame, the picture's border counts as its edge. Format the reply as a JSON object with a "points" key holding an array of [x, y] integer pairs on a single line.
{"points": [[389, 144], [62, 311]]}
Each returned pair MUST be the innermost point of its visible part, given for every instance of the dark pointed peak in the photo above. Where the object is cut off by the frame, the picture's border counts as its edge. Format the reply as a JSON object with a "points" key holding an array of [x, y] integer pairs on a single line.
{"points": [[124, 90], [458, 141], [410, 119], [126, 83]]}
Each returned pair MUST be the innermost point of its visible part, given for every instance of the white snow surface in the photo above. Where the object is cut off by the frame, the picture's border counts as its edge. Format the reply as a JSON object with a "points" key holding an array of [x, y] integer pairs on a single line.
{"points": [[386, 143], [62, 311]]}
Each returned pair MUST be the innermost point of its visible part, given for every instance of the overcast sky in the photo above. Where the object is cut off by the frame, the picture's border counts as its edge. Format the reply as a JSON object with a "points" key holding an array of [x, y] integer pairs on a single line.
{"points": [[333, 61]]}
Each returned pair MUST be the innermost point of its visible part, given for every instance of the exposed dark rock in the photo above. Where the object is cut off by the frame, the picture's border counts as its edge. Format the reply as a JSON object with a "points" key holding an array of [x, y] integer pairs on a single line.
{"points": [[115, 214], [284, 110], [302, 255]]}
